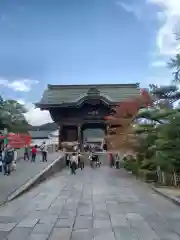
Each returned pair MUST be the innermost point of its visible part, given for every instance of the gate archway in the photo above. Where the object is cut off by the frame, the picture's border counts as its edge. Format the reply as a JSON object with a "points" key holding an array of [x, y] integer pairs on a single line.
{"points": [[93, 132]]}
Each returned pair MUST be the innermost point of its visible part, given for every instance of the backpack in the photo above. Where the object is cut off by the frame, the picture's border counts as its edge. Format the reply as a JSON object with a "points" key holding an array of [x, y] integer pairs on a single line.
{"points": [[42, 147], [9, 156]]}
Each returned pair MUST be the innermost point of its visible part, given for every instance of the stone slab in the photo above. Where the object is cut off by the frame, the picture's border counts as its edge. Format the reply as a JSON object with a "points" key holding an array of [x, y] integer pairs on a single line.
{"points": [[120, 208], [24, 172], [53, 167], [173, 196]]}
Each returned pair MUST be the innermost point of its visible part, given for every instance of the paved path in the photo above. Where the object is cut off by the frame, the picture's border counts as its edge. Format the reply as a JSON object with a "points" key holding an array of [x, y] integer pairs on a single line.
{"points": [[25, 171], [99, 204]]}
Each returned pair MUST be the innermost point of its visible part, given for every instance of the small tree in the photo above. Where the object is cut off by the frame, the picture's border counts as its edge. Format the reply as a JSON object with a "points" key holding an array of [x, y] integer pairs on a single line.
{"points": [[12, 116]]}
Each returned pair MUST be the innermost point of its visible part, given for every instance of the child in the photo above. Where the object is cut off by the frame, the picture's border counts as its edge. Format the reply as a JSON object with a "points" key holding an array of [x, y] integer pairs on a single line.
{"points": [[14, 161]]}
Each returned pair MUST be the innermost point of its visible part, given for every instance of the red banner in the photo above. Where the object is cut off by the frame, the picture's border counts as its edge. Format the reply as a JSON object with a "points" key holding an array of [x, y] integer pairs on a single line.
{"points": [[17, 140]]}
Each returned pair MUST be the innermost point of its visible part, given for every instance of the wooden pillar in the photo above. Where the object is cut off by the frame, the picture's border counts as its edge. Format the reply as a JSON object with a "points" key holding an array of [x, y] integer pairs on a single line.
{"points": [[106, 142], [60, 136], [79, 135]]}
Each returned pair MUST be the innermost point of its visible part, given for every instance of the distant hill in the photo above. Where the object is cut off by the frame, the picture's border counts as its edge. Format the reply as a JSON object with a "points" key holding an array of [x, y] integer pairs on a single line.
{"points": [[48, 126]]}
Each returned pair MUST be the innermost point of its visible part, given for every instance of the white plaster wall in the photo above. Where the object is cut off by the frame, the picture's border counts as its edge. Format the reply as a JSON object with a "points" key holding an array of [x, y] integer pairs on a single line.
{"points": [[40, 141]]}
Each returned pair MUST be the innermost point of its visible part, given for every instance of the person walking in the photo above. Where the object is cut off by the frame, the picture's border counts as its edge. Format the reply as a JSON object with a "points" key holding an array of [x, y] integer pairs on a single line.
{"points": [[81, 161], [67, 158], [44, 150], [78, 157], [111, 160], [33, 153], [73, 164], [75, 148], [104, 146], [1, 158], [94, 159], [117, 161], [8, 159], [90, 159], [26, 153]]}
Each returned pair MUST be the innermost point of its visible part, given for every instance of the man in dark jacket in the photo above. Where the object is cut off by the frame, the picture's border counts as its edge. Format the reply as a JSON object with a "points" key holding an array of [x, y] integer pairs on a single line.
{"points": [[8, 159]]}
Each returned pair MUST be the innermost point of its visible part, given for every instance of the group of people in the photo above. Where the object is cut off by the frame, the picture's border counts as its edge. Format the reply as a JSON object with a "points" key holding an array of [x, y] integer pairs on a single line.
{"points": [[8, 156], [95, 147], [94, 160], [74, 161], [32, 152], [114, 160]]}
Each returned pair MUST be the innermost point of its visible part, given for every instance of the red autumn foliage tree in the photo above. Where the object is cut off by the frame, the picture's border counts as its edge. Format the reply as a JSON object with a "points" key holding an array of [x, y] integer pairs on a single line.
{"points": [[120, 136]]}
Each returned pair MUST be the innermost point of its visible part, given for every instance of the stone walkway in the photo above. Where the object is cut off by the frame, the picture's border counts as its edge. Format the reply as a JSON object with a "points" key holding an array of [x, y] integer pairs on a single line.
{"points": [[99, 204], [25, 171], [169, 192]]}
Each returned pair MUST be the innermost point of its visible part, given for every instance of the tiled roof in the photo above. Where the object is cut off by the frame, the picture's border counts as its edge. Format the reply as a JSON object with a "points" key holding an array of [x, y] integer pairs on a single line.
{"points": [[60, 94], [39, 134]]}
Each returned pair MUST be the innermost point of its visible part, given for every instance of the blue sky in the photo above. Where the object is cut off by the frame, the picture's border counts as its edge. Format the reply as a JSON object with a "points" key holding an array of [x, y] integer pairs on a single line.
{"points": [[83, 42]]}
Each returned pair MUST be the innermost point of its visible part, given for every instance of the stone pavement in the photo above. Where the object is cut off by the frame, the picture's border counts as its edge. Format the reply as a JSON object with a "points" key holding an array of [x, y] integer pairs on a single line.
{"points": [[169, 192], [98, 204], [25, 171]]}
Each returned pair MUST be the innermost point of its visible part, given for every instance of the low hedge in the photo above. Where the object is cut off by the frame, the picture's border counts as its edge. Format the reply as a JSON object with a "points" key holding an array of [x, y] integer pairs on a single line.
{"points": [[148, 165], [148, 176], [131, 165]]}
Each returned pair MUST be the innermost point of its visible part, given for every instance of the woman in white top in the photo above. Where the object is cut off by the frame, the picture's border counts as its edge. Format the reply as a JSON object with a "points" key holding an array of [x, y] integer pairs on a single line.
{"points": [[74, 162]]}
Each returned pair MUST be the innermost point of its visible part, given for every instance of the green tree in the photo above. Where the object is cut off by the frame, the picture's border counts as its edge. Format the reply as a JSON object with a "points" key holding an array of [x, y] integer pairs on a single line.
{"points": [[12, 116], [150, 125], [174, 63]]}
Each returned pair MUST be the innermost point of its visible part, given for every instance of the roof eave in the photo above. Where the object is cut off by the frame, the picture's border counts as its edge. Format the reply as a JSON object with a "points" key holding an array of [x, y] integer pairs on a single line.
{"points": [[127, 85], [45, 106]]}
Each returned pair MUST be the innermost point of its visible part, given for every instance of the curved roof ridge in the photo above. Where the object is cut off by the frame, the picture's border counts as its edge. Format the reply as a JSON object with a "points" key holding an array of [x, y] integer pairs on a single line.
{"points": [[64, 86]]}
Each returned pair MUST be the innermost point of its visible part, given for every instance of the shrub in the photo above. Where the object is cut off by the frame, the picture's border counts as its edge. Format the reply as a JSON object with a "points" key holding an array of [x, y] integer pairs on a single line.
{"points": [[148, 165], [131, 165], [148, 176]]}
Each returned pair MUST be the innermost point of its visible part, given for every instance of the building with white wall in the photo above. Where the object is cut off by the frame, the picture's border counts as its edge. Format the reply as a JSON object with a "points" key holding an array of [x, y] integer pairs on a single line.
{"points": [[38, 137]]}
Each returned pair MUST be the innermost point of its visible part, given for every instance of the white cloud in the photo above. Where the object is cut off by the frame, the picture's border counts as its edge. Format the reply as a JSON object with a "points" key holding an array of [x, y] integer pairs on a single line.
{"points": [[21, 85], [35, 116], [159, 63], [169, 17], [131, 8]]}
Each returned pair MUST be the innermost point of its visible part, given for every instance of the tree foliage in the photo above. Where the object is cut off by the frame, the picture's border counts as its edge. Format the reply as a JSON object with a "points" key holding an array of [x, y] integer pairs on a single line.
{"points": [[156, 131], [161, 142], [12, 116], [120, 132], [174, 64]]}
